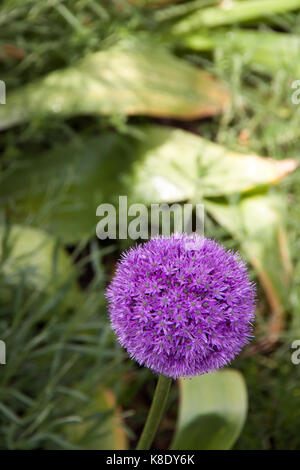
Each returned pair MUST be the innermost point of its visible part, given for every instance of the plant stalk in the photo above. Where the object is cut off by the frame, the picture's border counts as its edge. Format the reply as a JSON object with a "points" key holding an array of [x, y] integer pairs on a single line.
{"points": [[155, 413]]}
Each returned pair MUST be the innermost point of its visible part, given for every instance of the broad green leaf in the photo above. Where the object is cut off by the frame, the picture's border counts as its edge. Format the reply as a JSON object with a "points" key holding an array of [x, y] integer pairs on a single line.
{"points": [[175, 164], [257, 222], [212, 411], [230, 12], [35, 256], [130, 78], [111, 435], [268, 51], [65, 186]]}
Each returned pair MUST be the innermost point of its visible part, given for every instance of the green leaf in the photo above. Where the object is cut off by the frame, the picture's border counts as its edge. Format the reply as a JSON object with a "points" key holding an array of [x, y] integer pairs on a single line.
{"points": [[257, 48], [35, 256], [212, 411], [174, 165], [230, 12], [257, 222], [130, 78], [65, 186]]}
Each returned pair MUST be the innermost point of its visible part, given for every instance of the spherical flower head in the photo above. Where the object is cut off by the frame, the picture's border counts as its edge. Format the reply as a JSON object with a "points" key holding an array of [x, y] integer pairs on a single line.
{"points": [[182, 305]]}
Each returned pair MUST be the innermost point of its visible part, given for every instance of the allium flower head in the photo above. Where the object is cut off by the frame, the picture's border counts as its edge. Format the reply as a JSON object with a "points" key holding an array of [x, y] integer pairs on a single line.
{"points": [[181, 305]]}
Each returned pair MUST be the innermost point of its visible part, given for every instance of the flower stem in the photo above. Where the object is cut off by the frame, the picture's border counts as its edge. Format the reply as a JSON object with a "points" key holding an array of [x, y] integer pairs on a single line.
{"points": [[156, 411]]}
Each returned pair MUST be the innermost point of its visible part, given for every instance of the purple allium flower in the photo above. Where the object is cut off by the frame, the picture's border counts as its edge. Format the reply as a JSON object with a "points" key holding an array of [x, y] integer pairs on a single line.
{"points": [[182, 305]]}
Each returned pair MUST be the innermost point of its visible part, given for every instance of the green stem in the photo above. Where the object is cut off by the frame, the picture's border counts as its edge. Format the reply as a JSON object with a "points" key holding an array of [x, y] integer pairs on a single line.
{"points": [[156, 411]]}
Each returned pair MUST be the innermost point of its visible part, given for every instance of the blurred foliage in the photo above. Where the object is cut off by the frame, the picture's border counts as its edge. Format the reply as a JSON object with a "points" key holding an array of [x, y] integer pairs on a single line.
{"points": [[110, 435], [57, 354], [104, 98]]}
